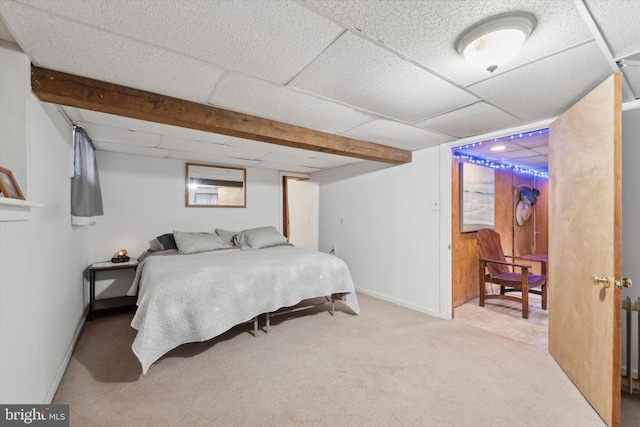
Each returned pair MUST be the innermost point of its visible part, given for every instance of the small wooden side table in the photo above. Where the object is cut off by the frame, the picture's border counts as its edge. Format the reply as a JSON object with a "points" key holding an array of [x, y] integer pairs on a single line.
{"points": [[107, 303], [542, 259]]}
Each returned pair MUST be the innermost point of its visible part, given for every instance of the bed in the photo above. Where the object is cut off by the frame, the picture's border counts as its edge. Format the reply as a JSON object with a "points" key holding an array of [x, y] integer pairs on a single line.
{"points": [[190, 297]]}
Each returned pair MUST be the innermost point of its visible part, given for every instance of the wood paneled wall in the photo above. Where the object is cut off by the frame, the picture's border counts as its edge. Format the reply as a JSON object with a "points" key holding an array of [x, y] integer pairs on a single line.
{"points": [[516, 240], [464, 256]]}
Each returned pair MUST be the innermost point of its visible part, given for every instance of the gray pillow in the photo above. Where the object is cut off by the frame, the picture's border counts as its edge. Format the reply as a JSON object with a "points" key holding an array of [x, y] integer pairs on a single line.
{"points": [[154, 246], [192, 242], [261, 237], [226, 235]]}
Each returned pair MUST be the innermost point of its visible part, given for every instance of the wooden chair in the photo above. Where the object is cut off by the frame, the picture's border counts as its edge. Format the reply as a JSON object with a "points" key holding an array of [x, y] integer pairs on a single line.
{"points": [[495, 269]]}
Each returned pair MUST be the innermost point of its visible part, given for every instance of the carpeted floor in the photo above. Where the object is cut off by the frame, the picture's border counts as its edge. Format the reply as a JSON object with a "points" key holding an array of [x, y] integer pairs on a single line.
{"points": [[388, 366], [504, 318], [630, 409]]}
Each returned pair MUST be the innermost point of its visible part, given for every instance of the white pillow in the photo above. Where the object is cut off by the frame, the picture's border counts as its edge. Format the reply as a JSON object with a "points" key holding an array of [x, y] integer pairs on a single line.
{"points": [[226, 235], [192, 242], [261, 237]]}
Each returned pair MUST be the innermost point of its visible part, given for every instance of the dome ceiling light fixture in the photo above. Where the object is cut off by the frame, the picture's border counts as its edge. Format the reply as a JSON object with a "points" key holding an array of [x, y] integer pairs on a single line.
{"points": [[490, 43]]}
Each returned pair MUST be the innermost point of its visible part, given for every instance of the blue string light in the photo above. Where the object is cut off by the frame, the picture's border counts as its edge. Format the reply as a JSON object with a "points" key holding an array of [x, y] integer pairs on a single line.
{"points": [[497, 165], [457, 154]]}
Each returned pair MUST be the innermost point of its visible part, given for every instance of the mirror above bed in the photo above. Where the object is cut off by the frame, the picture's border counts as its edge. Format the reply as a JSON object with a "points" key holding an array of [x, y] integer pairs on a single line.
{"points": [[215, 186]]}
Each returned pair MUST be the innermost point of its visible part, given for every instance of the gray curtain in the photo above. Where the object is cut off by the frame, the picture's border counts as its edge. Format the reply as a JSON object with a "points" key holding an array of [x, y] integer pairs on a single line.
{"points": [[86, 196]]}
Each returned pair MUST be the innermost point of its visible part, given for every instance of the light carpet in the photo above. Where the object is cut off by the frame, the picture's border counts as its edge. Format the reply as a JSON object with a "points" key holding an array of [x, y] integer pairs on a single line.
{"points": [[388, 366], [504, 317]]}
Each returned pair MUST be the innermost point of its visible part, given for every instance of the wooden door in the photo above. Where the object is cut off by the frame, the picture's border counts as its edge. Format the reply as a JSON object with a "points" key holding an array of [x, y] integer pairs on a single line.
{"points": [[585, 240], [285, 207], [301, 212]]}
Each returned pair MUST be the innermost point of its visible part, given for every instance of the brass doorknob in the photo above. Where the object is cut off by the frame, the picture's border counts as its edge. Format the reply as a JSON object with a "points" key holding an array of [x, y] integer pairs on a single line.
{"points": [[626, 282], [598, 280]]}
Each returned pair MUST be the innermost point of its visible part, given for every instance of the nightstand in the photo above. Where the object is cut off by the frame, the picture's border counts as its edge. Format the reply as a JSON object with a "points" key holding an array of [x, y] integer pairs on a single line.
{"points": [[108, 303]]}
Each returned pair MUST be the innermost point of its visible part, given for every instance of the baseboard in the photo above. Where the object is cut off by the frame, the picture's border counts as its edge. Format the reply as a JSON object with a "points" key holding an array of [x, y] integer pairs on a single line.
{"points": [[65, 361], [401, 303]]}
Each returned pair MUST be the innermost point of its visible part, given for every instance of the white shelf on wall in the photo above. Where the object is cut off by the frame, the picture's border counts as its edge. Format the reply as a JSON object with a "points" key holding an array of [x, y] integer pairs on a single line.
{"points": [[16, 209]]}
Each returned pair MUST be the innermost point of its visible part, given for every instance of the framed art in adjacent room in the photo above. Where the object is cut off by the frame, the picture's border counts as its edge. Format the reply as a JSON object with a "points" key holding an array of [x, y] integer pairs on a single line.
{"points": [[477, 194], [8, 185]]}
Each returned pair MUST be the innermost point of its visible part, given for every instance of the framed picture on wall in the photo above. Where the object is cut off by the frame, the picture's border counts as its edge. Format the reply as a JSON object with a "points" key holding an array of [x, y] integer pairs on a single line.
{"points": [[8, 185], [477, 194]]}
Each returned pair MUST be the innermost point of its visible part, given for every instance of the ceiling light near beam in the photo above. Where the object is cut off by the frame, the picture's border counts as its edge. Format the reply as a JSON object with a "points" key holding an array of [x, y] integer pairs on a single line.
{"points": [[492, 42]]}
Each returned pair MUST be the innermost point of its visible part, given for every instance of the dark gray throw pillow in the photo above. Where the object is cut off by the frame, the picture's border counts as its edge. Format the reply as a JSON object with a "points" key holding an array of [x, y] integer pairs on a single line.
{"points": [[167, 241]]}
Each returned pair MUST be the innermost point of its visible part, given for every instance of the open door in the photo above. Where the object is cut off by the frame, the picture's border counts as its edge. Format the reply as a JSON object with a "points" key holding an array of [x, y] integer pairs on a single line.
{"points": [[585, 211], [301, 212]]}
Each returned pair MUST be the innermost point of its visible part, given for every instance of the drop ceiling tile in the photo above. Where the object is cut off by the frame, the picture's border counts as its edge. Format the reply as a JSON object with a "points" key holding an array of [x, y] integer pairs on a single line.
{"points": [[548, 87], [537, 160], [72, 113], [130, 149], [249, 95], [121, 136], [619, 23], [187, 133], [474, 119], [83, 50], [516, 154], [369, 77], [5, 34], [397, 135], [211, 159], [632, 75], [402, 26], [533, 139], [94, 117], [287, 167], [244, 35], [483, 149], [200, 147], [541, 150]]}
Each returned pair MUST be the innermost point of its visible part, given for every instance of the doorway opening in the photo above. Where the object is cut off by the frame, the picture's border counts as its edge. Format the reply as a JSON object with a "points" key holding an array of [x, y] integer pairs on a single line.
{"points": [[518, 165], [300, 211]]}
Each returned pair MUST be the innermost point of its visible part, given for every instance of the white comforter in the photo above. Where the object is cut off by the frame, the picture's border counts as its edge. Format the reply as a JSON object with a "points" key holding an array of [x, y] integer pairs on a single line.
{"points": [[188, 298]]}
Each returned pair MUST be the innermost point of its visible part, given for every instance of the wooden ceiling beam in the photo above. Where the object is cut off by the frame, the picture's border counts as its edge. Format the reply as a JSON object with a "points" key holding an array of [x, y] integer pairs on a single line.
{"points": [[81, 92]]}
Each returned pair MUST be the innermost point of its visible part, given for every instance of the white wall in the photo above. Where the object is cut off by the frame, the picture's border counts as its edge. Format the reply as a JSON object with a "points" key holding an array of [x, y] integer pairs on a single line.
{"points": [[381, 219], [143, 197], [631, 217], [42, 259]]}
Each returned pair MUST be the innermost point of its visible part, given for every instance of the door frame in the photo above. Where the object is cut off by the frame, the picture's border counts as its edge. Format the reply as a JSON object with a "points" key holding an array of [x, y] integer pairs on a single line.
{"points": [[282, 192], [446, 155]]}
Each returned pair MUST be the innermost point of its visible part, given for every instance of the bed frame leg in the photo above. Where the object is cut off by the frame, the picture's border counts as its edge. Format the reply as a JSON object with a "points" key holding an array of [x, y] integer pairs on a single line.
{"points": [[268, 324], [333, 306], [255, 326]]}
